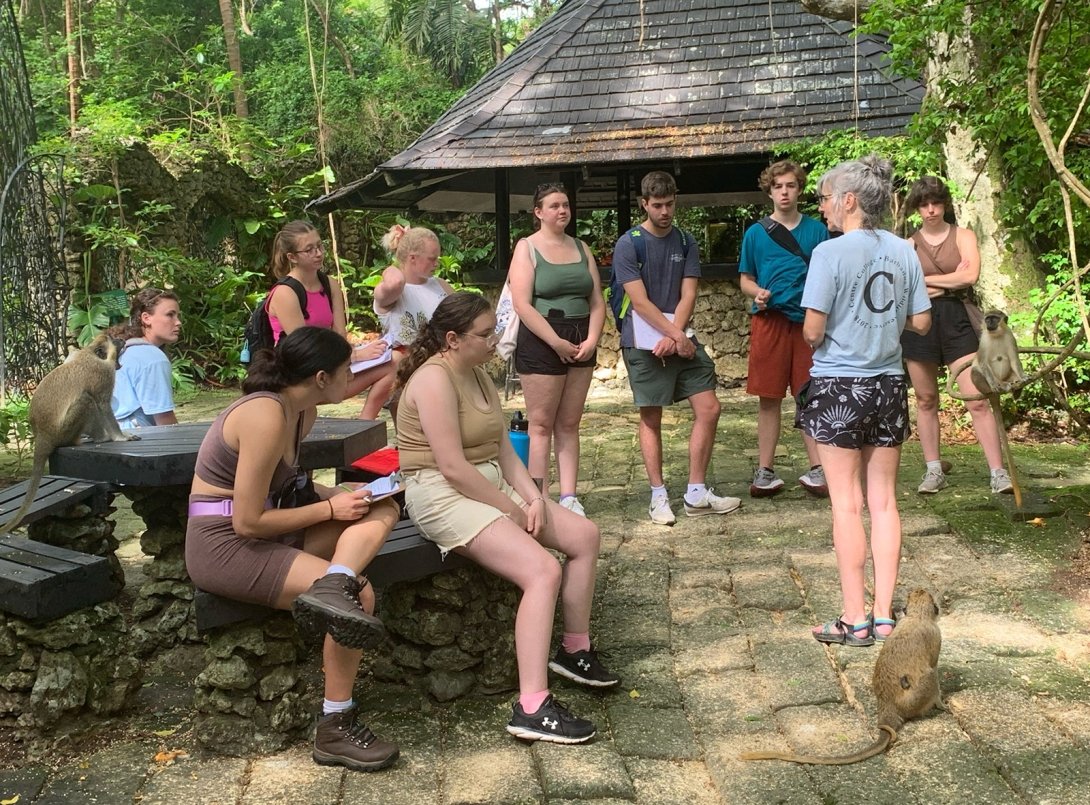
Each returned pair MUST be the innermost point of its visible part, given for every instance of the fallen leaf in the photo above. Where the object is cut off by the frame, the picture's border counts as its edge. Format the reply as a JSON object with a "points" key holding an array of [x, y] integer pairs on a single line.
{"points": [[633, 694], [1037, 522], [169, 756], [164, 733], [11, 801]]}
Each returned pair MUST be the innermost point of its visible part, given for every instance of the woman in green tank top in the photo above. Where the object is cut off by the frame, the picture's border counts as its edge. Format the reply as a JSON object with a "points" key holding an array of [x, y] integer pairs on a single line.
{"points": [[557, 295]]}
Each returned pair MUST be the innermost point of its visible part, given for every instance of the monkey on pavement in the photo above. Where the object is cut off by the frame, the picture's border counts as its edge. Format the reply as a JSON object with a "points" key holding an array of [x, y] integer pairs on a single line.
{"points": [[905, 681], [72, 400], [996, 368]]}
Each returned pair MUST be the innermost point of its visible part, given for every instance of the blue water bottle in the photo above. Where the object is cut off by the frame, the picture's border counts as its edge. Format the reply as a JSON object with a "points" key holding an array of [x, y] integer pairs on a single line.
{"points": [[520, 436]]}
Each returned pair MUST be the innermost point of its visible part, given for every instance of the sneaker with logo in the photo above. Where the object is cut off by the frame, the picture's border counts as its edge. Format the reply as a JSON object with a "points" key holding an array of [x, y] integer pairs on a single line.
{"points": [[332, 604], [660, 511], [1001, 483], [933, 481], [766, 483], [341, 740], [553, 722], [572, 504], [583, 667], [711, 503], [814, 482]]}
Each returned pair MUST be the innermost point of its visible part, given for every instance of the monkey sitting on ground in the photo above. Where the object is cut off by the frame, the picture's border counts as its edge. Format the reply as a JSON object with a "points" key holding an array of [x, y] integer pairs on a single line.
{"points": [[72, 400], [905, 681], [997, 368]]}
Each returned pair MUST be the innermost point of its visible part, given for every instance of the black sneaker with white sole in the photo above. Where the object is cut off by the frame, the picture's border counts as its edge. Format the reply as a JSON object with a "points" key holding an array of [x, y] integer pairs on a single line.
{"points": [[583, 667], [553, 722]]}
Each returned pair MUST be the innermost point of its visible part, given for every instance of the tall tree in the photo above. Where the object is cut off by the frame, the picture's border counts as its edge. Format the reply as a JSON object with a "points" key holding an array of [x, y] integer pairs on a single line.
{"points": [[234, 57], [71, 34]]}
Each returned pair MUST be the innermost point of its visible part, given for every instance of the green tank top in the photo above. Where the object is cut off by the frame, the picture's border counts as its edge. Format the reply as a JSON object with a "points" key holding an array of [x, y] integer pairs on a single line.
{"points": [[563, 286]]}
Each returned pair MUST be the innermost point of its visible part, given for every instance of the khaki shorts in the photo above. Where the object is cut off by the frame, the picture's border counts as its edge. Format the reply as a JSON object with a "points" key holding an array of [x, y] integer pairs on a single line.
{"points": [[446, 516]]}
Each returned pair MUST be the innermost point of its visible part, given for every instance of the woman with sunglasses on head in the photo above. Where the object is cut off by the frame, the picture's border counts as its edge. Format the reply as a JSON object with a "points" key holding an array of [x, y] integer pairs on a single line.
{"points": [[257, 532], [557, 294], [143, 393], [299, 253], [862, 290], [468, 492], [406, 297]]}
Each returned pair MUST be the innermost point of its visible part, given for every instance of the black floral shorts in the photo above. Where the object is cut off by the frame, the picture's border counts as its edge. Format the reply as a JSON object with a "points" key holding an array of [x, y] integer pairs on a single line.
{"points": [[852, 412]]}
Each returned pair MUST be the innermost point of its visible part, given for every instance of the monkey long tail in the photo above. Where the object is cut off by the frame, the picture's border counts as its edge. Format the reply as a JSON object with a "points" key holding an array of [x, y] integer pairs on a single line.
{"points": [[888, 736], [32, 490]]}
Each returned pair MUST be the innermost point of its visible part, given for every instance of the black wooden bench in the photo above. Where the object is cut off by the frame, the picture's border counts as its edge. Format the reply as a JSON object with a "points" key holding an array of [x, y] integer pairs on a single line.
{"points": [[406, 556], [41, 582]]}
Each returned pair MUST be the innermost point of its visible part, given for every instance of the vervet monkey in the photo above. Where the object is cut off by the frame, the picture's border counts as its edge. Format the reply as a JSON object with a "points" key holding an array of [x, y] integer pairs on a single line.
{"points": [[997, 368], [72, 400], [905, 681]]}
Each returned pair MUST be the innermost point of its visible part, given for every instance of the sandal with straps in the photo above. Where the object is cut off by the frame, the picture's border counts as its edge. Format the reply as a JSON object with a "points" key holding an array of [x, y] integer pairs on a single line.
{"points": [[844, 634], [876, 622]]}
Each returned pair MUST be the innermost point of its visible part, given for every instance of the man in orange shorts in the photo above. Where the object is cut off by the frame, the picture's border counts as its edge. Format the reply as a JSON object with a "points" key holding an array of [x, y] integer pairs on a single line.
{"points": [[775, 255]]}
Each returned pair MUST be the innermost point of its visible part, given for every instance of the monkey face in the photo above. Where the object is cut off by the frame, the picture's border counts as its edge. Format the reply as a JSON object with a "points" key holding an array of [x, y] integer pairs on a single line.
{"points": [[993, 319], [921, 602]]}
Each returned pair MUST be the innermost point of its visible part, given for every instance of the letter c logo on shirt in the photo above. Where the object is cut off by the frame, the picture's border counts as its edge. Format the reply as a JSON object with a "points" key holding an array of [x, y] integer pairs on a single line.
{"points": [[867, 292]]}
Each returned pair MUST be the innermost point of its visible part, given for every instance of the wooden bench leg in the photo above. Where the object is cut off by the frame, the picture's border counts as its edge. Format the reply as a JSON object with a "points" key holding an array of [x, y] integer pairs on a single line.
{"points": [[251, 696]]}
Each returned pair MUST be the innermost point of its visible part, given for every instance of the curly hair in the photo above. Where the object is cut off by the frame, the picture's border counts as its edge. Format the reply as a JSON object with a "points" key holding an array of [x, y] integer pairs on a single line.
{"points": [[777, 169], [143, 301]]}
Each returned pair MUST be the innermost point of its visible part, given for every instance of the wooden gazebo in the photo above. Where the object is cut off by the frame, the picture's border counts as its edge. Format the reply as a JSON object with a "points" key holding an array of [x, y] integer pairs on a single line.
{"points": [[606, 90]]}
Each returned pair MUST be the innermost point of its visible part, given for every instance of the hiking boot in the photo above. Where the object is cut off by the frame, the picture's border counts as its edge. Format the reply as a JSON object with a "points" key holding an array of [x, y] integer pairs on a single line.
{"points": [[814, 482], [711, 503], [660, 511], [1001, 483], [341, 740], [332, 604], [933, 481], [572, 504], [583, 667], [552, 722], [766, 483]]}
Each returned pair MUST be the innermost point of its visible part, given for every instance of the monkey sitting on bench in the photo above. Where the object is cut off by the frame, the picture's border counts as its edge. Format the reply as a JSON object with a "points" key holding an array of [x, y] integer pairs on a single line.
{"points": [[70, 401]]}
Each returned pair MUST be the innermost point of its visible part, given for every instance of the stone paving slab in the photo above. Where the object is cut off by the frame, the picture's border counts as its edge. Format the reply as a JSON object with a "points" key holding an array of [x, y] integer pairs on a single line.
{"points": [[708, 624]]}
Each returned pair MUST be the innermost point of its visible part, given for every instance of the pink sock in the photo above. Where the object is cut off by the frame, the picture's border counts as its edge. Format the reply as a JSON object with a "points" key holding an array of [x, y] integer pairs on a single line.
{"points": [[531, 702], [575, 641]]}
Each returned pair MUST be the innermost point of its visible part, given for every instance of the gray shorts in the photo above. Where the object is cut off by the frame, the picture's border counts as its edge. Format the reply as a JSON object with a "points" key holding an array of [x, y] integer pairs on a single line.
{"points": [[851, 412], [659, 382]]}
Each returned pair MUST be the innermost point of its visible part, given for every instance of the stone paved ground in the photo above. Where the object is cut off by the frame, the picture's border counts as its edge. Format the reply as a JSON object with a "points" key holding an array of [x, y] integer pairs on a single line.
{"points": [[708, 624]]}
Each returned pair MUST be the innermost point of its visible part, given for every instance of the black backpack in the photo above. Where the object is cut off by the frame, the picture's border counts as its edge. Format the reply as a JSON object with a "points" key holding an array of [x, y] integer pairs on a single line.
{"points": [[258, 333]]}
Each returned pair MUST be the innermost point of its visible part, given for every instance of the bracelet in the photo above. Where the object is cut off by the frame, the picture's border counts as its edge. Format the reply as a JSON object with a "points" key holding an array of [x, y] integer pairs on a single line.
{"points": [[535, 500], [332, 516]]}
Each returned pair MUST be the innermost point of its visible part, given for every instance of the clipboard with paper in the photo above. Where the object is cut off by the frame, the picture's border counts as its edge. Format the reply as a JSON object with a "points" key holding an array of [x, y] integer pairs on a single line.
{"points": [[644, 334]]}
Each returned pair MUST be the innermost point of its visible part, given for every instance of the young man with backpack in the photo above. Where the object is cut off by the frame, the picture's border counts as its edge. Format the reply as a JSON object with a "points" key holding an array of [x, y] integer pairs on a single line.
{"points": [[772, 272], [665, 362]]}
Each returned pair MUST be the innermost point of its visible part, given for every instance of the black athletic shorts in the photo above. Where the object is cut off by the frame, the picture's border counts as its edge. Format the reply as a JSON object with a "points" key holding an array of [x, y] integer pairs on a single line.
{"points": [[951, 335], [534, 357]]}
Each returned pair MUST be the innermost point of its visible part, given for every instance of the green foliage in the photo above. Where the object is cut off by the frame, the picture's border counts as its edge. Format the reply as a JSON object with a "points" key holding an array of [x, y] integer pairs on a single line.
{"points": [[15, 433]]}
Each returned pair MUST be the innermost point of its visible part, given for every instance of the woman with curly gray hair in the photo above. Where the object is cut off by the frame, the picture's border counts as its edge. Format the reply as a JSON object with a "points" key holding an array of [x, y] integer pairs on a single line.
{"points": [[862, 290]]}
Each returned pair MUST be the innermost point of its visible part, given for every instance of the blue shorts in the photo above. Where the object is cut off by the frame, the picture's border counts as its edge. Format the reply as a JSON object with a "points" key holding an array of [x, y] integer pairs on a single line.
{"points": [[852, 412]]}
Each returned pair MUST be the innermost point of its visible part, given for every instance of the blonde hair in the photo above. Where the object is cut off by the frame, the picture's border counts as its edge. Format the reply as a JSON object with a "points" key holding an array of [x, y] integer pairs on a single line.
{"points": [[402, 241]]}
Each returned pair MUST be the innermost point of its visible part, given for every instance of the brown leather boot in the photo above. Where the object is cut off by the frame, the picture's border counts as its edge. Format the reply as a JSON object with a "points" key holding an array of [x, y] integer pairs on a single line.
{"points": [[332, 605], [341, 740]]}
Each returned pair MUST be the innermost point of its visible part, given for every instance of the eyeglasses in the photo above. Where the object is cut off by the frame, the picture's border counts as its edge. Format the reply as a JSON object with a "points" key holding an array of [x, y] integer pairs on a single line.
{"points": [[491, 339], [820, 198], [309, 250]]}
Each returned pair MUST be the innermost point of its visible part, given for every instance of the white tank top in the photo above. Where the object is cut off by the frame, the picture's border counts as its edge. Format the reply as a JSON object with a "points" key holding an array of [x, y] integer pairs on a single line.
{"points": [[411, 312]]}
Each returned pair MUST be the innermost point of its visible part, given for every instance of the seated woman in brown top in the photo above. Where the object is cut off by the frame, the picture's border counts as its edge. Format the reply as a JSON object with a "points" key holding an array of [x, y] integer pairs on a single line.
{"points": [[257, 532], [468, 492]]}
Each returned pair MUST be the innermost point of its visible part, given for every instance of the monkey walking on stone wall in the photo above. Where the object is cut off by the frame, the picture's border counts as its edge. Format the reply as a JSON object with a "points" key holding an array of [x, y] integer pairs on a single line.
{"points": [[997, 368], [72, 400], [905, 681]]}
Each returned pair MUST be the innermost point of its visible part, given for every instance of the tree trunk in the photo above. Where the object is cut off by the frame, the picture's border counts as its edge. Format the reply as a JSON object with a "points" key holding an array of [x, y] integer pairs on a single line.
{"points": [[234, 57], [70, 35]]}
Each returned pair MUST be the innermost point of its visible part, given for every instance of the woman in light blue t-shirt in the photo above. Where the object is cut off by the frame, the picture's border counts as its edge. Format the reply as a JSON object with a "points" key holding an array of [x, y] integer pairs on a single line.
{"points": [[142, 389], [862, 289]]}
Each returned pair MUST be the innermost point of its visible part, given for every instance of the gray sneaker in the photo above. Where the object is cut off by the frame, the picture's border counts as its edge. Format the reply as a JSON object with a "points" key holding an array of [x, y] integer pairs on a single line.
{"points": [[1001, 483], [933, 481], [814, 482], [711, 503], [766, 483], [660, 511]]}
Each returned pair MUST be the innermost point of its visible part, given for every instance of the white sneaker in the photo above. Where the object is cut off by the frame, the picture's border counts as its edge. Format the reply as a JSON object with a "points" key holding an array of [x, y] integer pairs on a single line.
{"points": [[1001, 483], [572, 504], [711, 503], [932, 482], [660, 511]]}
